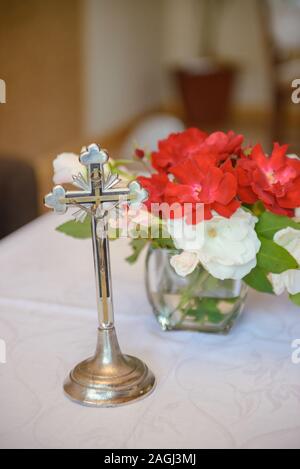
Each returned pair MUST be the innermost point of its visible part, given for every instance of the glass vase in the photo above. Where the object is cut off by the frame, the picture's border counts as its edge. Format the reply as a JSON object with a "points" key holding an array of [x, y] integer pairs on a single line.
{"points": [[198, 302]]}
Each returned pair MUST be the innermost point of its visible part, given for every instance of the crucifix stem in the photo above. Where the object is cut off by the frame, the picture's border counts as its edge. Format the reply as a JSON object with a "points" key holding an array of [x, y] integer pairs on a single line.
{"points": [[102, 273]]}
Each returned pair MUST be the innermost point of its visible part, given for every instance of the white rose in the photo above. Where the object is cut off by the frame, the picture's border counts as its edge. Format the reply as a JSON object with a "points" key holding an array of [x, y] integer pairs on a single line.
{"points": [[227, 248], [289, 281], [141, 216], [289, 239], [137, 223], [65, 167], [185, 263], [230, 246], [186, 237]]}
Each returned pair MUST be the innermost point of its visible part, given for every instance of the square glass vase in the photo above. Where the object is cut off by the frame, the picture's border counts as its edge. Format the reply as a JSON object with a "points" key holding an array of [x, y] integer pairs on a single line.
{"points": [[198, 302]]}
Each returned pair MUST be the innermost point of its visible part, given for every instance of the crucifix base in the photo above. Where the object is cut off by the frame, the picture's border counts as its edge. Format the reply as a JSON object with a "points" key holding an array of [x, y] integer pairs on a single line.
{"points": [[109, 378]]}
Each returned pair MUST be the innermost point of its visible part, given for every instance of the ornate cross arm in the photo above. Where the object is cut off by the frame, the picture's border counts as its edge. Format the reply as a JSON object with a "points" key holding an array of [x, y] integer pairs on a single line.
{"points": [[101, 189]]}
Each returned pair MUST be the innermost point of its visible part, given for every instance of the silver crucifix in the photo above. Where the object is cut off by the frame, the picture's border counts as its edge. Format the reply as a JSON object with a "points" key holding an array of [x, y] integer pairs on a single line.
{"points": [[109, 378]]}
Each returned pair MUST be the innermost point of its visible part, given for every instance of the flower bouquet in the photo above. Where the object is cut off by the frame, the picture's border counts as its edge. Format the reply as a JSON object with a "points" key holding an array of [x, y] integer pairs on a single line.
{"points": [[220, 217]]}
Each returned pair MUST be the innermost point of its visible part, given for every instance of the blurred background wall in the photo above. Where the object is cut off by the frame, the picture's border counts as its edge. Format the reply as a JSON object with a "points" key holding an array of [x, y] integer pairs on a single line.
{"points": [[122, 61], [40, 60], [79, 70], [132, 45]]}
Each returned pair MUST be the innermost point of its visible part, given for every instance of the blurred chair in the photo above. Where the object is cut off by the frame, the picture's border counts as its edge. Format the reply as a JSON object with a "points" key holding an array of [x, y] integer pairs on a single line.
{"points": [[280, 25], [18, 195]]}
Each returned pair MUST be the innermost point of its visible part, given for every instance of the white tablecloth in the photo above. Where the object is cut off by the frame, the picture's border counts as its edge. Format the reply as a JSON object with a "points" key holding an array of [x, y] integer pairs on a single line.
{"points": [[235, 391]]}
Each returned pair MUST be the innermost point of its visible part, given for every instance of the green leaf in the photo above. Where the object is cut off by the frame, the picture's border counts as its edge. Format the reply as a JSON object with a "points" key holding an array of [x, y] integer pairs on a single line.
{"points": [[295, 299], [76, 229], [258, 280], [120, 172], [138, 246], [207, 308], [117, 163], [199, 314], [274, 258], [114, 234], [269, 224], [258, 209], [163, 243]]}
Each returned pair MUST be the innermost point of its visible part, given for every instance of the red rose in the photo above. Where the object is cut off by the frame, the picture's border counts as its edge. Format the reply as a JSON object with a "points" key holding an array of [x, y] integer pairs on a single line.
{"points": [[220, 146], [194, 143], [205, 183], [155, 185], [176, 148], [157, 205], [274, 180]]}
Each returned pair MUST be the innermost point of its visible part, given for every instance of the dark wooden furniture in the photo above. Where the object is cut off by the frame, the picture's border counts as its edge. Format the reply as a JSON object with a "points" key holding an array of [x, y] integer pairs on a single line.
{"points": [[18, 195]]}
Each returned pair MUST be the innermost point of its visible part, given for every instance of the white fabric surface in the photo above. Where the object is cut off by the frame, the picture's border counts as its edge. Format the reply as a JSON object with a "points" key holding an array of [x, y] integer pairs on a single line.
{"points": [[237, 391]]}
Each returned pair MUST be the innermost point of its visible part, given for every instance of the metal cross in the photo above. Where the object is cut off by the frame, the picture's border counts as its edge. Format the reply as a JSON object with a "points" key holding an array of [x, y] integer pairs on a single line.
{"points": [[98, 191]]}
